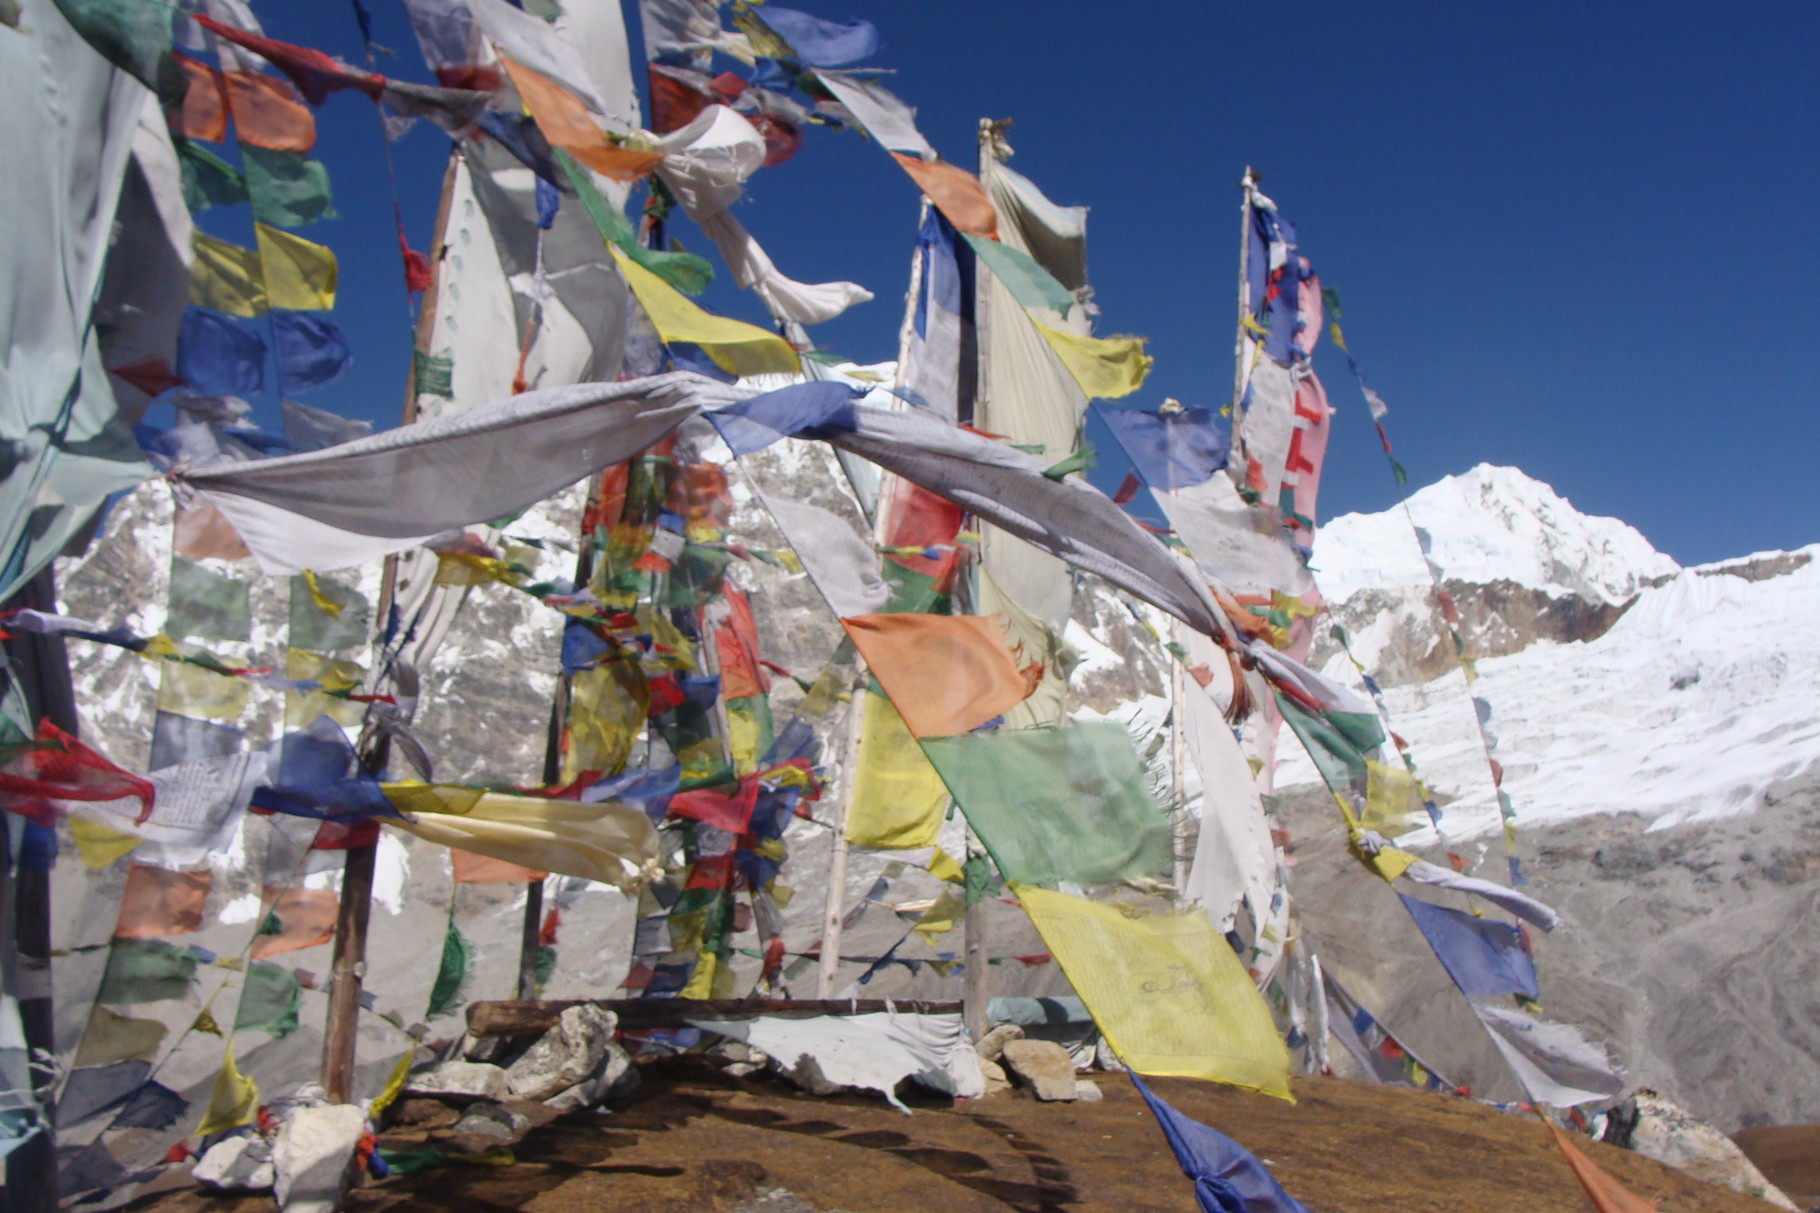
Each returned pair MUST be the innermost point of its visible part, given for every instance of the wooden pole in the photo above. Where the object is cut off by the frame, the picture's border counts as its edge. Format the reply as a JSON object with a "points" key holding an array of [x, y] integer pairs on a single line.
{"points": [[348, 967], [834, 908], [976, 993], [1248, 183], [1178, 724]]}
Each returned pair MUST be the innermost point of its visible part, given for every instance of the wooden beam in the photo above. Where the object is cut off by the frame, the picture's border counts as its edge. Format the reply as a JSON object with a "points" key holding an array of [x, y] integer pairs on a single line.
{"points": [[524, 1018]]}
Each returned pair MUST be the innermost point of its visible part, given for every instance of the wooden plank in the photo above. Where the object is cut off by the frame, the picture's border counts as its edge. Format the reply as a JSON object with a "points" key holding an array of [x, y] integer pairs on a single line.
{"points": [[524, 1018]]}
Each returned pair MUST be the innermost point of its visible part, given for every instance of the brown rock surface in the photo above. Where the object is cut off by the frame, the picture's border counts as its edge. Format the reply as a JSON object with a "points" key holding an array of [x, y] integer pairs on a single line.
{"points": [[694, 1139], [1788, 1156]]}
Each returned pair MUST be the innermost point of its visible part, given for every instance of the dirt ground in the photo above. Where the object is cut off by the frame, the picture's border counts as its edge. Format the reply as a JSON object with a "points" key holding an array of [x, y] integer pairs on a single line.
{"points": [[695, 1139], [1788, 1156]]}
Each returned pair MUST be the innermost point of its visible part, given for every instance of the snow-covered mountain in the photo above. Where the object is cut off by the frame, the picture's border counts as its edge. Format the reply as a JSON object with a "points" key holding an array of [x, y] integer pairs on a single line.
{"points": [[1658, 730]]}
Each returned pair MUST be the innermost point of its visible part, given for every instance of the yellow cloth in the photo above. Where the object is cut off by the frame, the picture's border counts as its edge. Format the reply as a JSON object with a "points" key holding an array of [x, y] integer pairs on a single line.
{"points": [[897, 796], [941, 917], [97, 845], [300, 708], [736, 347], [1104, 367], [606, 709], [235, 1101], [393, 1085], [1166, 990], [299, 275], [1392, 796], [943, 867], [1387, 862], [285, 271], [609, 842], [190, 690]]}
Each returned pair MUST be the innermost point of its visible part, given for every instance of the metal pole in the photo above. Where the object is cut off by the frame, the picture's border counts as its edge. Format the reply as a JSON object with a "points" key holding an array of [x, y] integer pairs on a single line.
{"points": [[1248, 183], [349, 964]]}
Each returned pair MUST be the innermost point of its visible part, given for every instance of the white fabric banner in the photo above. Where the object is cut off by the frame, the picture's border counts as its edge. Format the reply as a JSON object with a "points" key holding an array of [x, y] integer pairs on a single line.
{"points": [[874, 1052], [890, 122], [1554, 1063]]}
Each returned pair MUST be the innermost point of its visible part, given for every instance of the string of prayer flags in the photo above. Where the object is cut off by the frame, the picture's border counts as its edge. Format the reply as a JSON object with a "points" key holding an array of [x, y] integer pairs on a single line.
{"points": [[286, 189], [286, 271], [1068, 803], [267, 112], [684, 271], [1485, 959], [1227, 1177], [217, 356], [1166, 990], [269, 1001], [146, 970], [295, 919], [944, 673], [1105, 368], [735, 346], [1170, 448], [956, 192]]}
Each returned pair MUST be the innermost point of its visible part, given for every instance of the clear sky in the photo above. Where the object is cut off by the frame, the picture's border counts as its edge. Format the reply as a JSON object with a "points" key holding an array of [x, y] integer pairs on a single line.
{"points": [[1577, 239]]}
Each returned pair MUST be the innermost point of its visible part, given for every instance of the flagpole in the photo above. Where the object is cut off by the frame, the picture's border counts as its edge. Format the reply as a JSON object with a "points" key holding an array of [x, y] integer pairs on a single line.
{"points": [[348, 966]]}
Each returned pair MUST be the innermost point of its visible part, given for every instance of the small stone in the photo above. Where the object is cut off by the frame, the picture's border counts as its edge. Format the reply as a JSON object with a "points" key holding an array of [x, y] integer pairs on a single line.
{"points": [[616, 1078], [485, 1048], [459, 1080], [423, 1114], [993, 1043], [740, 1069], [565, 1055], [492, 1120], [314, 1156], [737, 1052], [993, 1075], [1043, 1066], [1106, 1058], [1086, 1092]]}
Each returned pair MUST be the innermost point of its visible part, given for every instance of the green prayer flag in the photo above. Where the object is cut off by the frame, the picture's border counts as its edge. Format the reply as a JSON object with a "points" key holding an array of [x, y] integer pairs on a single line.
{"points": [[1338, 760], [433, 375], [1029, 283], [684, 271], [268, 1002], [1068, 803], [1396, 470], [451, 973], [316, 630], [545, 965], [110, 1037], [206, 605], [1080, 461], [288, 189], [976, 878], [146, 970], [208, 180], [134, 36]]}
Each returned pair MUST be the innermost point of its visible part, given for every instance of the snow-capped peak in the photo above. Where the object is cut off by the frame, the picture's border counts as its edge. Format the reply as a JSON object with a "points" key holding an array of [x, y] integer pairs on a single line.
{"points": [[1488, 524]]}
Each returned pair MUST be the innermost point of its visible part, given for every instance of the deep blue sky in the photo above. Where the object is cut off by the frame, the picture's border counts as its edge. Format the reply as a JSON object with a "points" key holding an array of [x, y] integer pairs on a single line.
{"points": [[1578, 239]]}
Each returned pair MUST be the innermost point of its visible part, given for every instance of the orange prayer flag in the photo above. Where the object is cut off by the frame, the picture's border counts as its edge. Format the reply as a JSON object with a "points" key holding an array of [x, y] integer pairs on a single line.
{"points": [[737, 642], [269, 114], [484, 869], [566, 123], [945, 674], [203, 114], [956, 192], [305, 918], [1607, 1194], [159, 902]]}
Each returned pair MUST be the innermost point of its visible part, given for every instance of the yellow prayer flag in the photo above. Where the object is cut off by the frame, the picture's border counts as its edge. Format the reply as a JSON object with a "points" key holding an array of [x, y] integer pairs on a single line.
{"points": [[1165, 989], [394, 1084], [606, 708], [897, 796], [235, 1102], [1104, 367], [97, 844], [941, 917], [299, 275], [1392, 797], [736, 347], [328, 606], [609, 842], [190, 690], [301, 708], [225, 277], [943, 867]]}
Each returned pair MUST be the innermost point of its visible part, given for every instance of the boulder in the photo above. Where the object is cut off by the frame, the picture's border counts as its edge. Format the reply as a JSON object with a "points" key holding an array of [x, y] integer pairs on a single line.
{"points": [[313, 1158], [1043, 1066], [491, 1120], [1086, 1092], [459, 1080], [565, 1055], [236, 1164], [616, 1078], [1670, 1134], [993, 1043], [423, 1114], [993, 1076]]}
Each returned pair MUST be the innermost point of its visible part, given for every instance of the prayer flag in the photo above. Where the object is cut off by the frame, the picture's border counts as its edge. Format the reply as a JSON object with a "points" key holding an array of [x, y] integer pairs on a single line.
{"points": [[1068, 803], [206, 605], [203, 114], [134, 36], [1103, 367], [897, 795], [268, 1001], [312, 352], [799, 410], [818, 42], [611, 843], [287, 189], [1170, 449], [160, 902], [470, 868], [235, 1100], [146, 970], [268, 114], [217, 356], [1166, 990], [565, 123], [451, 971], [684, 271], [112, 1037], [208, 180], [735, 346], [1607, 1194], [1227, 1177], [295, 919], [955, 191], [1029, 283], [1484, 958], [298, 275], [225, 277], [944, 673]]}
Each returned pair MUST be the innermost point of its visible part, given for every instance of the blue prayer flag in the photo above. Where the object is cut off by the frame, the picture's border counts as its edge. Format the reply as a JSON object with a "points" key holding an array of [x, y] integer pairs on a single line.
{"points": [[312, 351], [1170, 450], [1484, 958], [1227, 1178], [810, 409], [821, 43], [216, 356], [319, 775], [649, 790]]}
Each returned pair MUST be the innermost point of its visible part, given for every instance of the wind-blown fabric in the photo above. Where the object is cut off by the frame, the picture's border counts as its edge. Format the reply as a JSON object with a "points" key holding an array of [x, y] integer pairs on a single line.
{"points": [[956, 191], [1169, 450], [1606, 1194], [1520, 904], [536, 44], [1233, 855], [879, 112], [944, 673], [1485, 959], [368, 498], [1067, 803], [1242, 547], [819, 42], [1165, 989], [783, 296], [612, 843], [565, 123], [842, 565], [736, 347], [1555, 1064], [1227, 1178], [897, 795]]}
